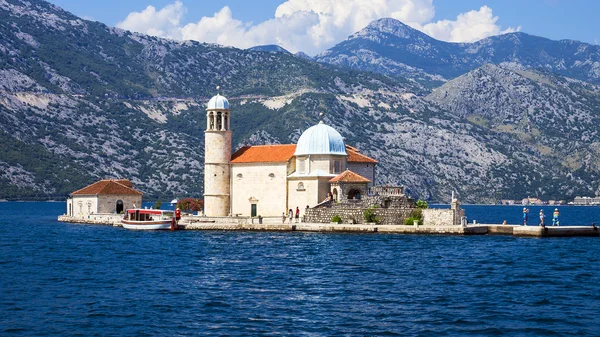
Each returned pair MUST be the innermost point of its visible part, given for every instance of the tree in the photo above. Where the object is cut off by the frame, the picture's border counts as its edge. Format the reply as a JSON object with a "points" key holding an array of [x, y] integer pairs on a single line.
{"points": [[190, 204]]}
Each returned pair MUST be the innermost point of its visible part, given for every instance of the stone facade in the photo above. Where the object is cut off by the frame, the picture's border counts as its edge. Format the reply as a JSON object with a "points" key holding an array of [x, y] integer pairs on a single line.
{"points": [[342, 191], [260, 184], [366, 170], [82, 206]]}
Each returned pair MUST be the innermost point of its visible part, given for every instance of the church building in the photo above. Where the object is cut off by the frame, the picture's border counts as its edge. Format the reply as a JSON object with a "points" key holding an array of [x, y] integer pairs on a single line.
{"points": [[268, 180]]}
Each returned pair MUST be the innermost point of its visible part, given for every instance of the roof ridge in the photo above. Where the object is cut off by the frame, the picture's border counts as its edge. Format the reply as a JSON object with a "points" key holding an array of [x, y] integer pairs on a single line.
{"points": [[269, 145], [352, 175]]}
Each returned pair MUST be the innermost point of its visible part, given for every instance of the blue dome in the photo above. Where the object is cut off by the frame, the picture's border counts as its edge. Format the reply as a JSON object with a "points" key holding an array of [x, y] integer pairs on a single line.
{"points": [[321, 139], [218, 102]]}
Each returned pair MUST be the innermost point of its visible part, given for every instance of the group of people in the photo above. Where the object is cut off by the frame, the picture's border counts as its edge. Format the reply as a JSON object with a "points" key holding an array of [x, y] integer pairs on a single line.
{"points": [[291, 216], [555, 215]]}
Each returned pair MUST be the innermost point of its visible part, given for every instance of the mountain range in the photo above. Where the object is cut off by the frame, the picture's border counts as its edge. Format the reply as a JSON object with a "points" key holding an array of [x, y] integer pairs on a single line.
{"points": [[390, 47], [80, 101]]}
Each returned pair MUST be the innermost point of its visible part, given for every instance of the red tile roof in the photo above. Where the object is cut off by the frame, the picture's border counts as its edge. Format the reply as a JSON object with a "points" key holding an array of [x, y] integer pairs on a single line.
{"points": [[281, 153], [264, 154], [354, 156], [349, 177], [109, 186]]}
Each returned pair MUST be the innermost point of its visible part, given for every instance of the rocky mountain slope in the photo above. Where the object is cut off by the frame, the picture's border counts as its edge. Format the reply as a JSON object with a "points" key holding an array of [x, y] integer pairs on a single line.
{"points": [[81, 101], [273, 48], [390, 47], [554, 116]]}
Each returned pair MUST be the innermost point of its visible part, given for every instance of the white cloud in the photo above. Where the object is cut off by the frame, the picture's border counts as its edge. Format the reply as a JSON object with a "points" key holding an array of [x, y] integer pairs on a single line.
{"points": [[311, 25], [468, 27], [163, 23]]}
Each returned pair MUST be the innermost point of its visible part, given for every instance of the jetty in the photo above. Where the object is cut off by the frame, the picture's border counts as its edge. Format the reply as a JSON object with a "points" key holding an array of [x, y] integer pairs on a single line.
{"points": [[274, 224]]}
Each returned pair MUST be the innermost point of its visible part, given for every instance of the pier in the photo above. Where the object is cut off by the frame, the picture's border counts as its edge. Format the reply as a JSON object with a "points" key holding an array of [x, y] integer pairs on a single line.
{"points": [[274, 224]]}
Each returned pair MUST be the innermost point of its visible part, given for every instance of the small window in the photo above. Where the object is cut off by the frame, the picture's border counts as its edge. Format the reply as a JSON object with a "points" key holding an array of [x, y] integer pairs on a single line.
{"points": [[336, 166], [300, 187], [239, 176], [301, 166], [271, 175]]}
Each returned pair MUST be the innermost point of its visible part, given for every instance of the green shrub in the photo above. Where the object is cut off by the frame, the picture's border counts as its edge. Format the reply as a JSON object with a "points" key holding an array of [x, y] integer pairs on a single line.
{"points": [[415, 214], [421, 204], [369, 216], [411, 221], [336, 218]]}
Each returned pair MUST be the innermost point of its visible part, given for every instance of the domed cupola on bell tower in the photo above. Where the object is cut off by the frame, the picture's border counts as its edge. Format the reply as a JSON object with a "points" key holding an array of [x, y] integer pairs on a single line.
{"points": [[217, 156]]}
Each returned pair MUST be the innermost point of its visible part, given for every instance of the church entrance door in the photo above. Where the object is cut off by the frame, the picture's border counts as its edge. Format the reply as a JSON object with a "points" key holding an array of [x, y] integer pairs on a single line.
{"points": [[253, 210], [119, 206]]}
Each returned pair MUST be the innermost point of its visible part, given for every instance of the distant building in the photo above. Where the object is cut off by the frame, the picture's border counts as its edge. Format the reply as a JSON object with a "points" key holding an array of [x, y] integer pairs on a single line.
{"points": [[586, 201], [532, 201], [103, 197]]}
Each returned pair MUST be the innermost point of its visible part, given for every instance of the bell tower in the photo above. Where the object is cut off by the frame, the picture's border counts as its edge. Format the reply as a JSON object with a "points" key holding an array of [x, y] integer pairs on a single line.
{"points": [[217, 155]]}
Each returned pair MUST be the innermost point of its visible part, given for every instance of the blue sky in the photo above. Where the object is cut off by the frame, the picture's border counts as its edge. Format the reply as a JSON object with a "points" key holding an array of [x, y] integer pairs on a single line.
{"points": [[295, 24]]}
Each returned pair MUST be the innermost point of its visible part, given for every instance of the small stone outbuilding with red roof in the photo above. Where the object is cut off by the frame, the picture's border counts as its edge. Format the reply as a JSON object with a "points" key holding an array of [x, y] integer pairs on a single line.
{"points": [[107, 196]]}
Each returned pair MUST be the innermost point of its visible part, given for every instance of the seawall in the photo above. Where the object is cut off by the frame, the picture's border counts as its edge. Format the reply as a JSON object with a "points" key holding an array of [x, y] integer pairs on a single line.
{"points": [[274, 224]]}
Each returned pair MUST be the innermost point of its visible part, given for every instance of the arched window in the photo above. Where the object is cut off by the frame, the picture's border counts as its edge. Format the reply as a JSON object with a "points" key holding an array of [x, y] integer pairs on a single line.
{"points": [[300, 186], [212, 121], [219, 121]]}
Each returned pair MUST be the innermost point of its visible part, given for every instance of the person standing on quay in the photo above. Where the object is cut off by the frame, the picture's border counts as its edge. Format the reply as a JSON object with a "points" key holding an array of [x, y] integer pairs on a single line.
{"points": [[283, 217], [290, 215], [525, 215], [297, 214], [542, 218], [555, 215]]}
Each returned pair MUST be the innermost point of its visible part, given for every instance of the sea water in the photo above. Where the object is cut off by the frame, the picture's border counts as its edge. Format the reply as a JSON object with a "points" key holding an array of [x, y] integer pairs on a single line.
{"points": [[67, 279]]}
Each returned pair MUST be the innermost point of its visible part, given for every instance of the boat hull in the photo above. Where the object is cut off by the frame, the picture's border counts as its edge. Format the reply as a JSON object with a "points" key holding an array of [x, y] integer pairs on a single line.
{"points": [[132, 224]]}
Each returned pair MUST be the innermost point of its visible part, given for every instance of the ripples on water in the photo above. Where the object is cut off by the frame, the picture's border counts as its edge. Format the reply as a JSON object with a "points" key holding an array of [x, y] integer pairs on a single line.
{"points": [[63, 279]]}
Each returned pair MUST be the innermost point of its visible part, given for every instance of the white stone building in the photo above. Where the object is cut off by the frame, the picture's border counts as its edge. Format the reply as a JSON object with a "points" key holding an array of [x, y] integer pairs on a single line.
{"points": [[268, 180], [108, 196]]}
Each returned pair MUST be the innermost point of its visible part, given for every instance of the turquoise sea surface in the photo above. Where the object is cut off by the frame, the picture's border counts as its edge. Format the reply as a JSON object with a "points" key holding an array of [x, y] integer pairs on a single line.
{"points": [[59, 279]]}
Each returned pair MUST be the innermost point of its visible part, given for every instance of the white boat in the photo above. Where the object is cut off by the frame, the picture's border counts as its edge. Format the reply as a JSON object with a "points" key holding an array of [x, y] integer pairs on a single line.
{"points": [[149, 219], [174, 202]]}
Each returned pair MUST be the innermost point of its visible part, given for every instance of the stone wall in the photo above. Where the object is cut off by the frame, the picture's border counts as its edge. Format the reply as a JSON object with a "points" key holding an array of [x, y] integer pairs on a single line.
{"points": [[387, 216], [441, 217], [391, 210]]}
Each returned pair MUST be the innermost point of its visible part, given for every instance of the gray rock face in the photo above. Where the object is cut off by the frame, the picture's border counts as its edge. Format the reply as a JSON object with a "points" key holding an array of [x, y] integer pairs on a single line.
{"points": [[81, 101]]}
